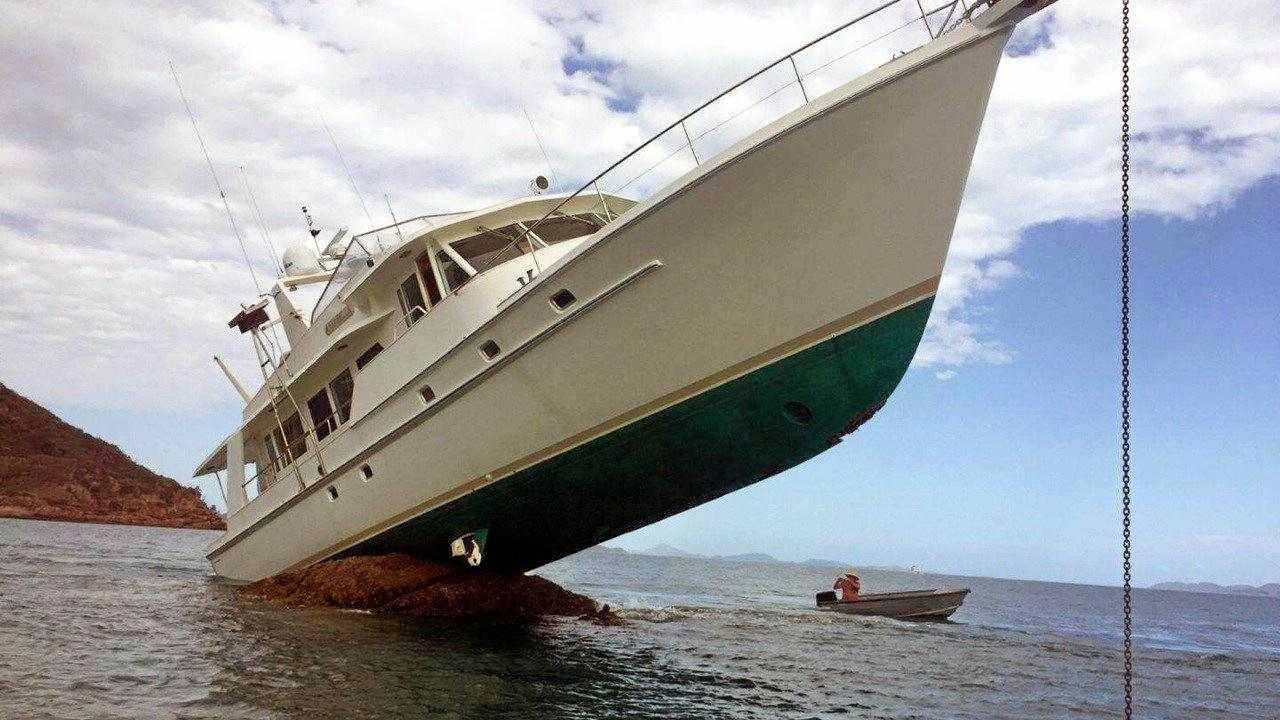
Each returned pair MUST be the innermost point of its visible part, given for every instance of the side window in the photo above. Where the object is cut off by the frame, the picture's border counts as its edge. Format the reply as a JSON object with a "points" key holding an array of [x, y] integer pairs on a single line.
{"points": [[342, 388], [322, 414], [280, 450], [368, 356], [454, 276], [295, 437], [429, 278], [269, 445], [411, 301]]}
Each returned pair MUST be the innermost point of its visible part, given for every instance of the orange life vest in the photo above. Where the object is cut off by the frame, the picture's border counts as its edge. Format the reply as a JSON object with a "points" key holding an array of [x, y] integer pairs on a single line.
{"points": [[849, 587]]}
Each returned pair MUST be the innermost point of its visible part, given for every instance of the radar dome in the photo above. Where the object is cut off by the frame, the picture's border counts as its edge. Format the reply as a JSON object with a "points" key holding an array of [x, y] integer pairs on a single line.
{"points": [[301, 259]]}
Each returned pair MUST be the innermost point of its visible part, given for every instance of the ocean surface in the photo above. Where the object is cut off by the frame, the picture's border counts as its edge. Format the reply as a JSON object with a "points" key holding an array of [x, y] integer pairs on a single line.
{"points": [[121, 622]]}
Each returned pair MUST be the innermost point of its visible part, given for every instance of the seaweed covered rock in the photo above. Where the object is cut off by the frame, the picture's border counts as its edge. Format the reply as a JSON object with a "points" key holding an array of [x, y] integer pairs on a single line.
{"points": [[406, 585]]}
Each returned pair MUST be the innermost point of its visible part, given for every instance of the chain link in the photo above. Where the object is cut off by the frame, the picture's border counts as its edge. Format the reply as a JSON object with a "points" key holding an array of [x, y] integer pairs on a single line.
{"points": [[1124, 359]]}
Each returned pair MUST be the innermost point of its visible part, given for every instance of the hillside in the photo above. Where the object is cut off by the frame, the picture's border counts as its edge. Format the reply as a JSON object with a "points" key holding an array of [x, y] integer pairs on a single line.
{"points": [[1268, 590], [50, 470]]}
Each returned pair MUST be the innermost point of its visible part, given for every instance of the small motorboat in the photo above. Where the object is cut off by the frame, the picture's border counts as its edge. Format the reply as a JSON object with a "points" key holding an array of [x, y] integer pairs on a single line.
{"points": [[937, 604]]}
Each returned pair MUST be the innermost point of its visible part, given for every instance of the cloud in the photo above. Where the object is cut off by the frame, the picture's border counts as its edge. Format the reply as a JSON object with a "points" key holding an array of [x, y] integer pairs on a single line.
{"points": [[119, 270], [1206, 123]]}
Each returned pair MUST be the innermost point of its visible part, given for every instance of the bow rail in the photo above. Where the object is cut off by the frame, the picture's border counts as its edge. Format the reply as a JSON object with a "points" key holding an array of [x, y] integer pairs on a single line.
{"points": [[936, 22], [715, 134]]}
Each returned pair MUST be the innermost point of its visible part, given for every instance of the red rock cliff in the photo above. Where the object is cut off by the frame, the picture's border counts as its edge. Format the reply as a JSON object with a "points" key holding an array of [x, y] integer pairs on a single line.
{"points": [[50, 470]]}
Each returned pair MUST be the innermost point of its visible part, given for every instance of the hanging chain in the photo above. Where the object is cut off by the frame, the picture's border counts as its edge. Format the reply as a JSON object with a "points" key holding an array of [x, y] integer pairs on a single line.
{"points": [[1124, 358]]}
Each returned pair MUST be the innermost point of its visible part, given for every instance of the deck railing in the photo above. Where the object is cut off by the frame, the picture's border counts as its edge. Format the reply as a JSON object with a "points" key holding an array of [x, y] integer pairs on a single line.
{"points": [[893, 27], [808, 71]]}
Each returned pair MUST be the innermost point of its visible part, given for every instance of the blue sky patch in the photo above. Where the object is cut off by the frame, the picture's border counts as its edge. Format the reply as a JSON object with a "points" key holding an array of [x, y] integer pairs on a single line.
{"points": [[1032, 37], [601, 69]]}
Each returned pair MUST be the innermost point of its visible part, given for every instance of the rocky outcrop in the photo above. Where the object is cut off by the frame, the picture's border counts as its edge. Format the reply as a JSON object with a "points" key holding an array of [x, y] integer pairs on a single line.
{"points": [[50, 470], [406, 585]]}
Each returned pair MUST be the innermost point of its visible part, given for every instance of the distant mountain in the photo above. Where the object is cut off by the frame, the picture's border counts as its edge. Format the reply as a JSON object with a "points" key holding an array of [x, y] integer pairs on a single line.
{"points": [[606, 550], [665, 550], [749, 557], [820, 563], [50, 470], [1267, 590]]}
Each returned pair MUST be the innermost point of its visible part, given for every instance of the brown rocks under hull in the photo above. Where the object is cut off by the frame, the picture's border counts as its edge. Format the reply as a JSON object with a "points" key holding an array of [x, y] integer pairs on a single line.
{"points": [[405, 585]]}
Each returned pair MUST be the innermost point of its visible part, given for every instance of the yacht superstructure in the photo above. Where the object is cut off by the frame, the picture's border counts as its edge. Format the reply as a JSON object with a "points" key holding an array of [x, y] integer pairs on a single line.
{"points": [[517, 383]]}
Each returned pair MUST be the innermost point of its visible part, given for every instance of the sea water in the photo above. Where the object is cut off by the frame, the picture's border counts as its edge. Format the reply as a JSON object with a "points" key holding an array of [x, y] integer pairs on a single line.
{"points": [[122, 622]]}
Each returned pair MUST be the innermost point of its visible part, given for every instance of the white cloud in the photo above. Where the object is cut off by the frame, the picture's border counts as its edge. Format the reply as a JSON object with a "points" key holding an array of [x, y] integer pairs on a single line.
{"points": [[119, 272], [1206, 123]]}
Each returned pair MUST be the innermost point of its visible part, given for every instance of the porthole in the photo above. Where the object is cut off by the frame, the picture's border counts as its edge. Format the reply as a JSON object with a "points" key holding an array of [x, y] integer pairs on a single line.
{"points": [[798, 412], [562, 300], [333, 493], [367, 472], [490, 350]]}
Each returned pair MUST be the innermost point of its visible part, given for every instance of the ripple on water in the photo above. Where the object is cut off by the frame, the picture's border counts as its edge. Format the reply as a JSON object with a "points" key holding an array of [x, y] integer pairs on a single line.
{"points": [[119, 622]]}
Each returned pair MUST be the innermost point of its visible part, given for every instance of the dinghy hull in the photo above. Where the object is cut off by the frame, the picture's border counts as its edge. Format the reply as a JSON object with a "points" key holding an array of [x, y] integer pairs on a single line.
{"points": [[923, 605]]}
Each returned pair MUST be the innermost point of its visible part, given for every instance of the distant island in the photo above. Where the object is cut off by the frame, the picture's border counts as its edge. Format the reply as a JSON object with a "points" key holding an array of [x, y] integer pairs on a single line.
{"points": [[50, 470], [1267, 590], [671, 551], [665, 550]]}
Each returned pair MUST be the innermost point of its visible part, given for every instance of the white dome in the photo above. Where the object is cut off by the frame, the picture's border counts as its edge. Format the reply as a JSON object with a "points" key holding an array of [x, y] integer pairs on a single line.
{"points": [[301, 258]]}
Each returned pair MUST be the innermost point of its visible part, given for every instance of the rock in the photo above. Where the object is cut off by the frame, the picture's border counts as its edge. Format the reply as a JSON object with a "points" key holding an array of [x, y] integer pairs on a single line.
{"points": [[50, 470], [405, 585], [604, 617]]}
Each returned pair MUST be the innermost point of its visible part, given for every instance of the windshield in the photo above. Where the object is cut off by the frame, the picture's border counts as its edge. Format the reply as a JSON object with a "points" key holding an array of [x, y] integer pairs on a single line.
{"points": [[362, 252]]}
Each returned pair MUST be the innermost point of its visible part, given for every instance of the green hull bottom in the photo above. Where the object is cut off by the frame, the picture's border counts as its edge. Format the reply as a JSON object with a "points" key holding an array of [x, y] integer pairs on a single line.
{"points": [[728, 437]]}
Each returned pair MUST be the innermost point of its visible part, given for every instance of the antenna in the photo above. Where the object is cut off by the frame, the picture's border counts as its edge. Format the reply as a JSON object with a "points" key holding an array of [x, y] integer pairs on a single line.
{"points": [[311, 228], [538, 138], [217, 183], [350, 177], [395, 222], [262, 225]]}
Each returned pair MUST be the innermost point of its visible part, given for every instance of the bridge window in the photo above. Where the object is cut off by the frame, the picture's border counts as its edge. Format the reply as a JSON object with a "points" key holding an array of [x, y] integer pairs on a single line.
{"points": [[412, 303], [368, 356], [295, 438], [322, 416], [454, 276], [342, 388], [429, 279]]}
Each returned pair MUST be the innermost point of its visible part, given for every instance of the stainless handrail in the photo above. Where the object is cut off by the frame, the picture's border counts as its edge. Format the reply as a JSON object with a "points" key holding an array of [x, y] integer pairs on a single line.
{"points": [[950, 6]]}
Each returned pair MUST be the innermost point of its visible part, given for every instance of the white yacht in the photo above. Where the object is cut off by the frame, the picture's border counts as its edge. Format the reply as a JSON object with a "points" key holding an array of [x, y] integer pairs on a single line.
{"points": [[517, 383]]}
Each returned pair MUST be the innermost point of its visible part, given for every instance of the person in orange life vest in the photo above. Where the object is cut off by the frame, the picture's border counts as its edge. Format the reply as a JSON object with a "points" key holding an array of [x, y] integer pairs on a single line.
{"points": [[849, 586]]}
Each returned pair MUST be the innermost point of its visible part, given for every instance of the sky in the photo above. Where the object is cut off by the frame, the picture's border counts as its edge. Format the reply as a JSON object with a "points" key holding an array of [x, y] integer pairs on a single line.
{"points": [[998, 453]]}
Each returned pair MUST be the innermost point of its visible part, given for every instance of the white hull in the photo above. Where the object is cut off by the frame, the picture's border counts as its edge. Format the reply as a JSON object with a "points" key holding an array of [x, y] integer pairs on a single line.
{"points": [[835, 215]]}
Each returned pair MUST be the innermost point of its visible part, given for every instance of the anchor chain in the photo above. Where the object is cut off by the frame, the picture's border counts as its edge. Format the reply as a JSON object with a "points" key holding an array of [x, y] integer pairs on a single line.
{"points": [[1126, 516]]}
